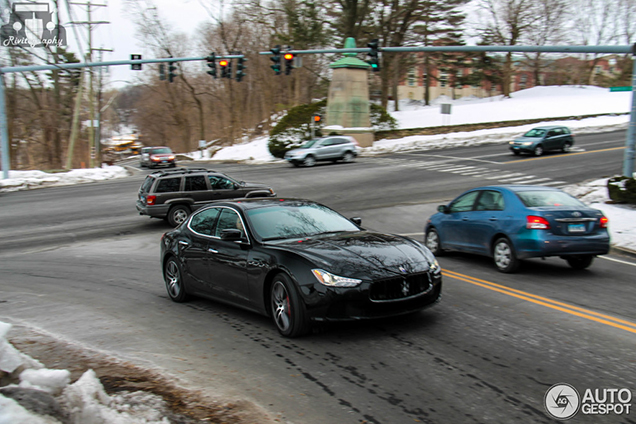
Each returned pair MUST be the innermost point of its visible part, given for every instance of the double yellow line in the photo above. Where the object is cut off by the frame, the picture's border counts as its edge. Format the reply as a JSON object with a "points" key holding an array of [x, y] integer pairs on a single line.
{"points": [[544, 301]]}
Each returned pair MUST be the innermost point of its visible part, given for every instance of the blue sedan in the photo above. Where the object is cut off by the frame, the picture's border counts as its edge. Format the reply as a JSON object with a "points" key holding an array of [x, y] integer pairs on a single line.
{"points": [[513, 222]]}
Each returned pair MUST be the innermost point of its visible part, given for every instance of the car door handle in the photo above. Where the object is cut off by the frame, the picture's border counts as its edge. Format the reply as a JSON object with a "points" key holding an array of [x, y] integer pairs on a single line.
{"points": [[465, 218], [492, 218], [212, 250]]}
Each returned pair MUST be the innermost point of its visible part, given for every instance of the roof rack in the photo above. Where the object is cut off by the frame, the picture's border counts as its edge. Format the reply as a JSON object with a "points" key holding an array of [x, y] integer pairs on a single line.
{"points": [[174, 171]]}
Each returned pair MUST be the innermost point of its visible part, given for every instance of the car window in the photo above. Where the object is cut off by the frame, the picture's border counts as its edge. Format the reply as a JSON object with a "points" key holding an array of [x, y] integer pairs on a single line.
{"points": [[195, 183], [203, 222], [228, 220], [464, 203], [533, 199], [557, 131], [163, 150], [218, 182], [297, 221], [490, 201], [145, 187], [310, 143], [566, 130], [535, 132], [168, 185]]}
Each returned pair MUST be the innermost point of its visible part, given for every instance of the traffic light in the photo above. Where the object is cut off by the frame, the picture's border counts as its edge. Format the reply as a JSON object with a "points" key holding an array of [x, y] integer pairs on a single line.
{"points": [[223, 64], [172, 67], [162, 72], [229, 69], [212, 64], [373, 53], [317, 119], [289, 62], [276, 59], [240, 68]]}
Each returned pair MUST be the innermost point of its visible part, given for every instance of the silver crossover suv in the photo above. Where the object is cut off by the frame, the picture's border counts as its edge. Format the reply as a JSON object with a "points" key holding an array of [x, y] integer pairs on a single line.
{"points": [[333, 148]]}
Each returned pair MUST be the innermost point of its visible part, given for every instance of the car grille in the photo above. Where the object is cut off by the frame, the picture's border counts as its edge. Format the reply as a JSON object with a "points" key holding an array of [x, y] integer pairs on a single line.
{"points": [[398, 288]]}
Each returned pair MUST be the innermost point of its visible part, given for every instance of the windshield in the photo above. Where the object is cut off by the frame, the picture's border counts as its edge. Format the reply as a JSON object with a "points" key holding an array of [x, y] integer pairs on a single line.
{"points": [[161, 151], [535, 132], [548, 198], [310, 143], [297, 220]]}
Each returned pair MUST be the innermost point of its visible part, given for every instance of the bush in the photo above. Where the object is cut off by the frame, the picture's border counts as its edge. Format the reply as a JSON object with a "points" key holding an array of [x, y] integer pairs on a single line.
{"points": [[622, 189], [295, 127]]}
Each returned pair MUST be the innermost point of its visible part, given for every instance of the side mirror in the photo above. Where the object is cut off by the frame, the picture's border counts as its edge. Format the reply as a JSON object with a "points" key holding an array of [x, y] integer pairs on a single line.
{"points": [[356, 220], [231, 234], [442, 209], [236, 186]]}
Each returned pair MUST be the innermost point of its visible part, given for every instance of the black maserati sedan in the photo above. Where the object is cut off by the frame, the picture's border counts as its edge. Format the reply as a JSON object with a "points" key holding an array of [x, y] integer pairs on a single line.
{"points": [[297, 261]]}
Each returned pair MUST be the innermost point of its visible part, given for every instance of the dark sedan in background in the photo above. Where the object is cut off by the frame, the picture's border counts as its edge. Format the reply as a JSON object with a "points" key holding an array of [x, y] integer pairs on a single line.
{"points": [[509, 223], [297, 261]]}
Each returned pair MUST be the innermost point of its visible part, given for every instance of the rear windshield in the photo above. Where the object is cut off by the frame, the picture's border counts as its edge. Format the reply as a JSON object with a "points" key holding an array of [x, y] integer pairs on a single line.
{"points": [[535, 132], [533, 199], [145, 187], [160, 151]]}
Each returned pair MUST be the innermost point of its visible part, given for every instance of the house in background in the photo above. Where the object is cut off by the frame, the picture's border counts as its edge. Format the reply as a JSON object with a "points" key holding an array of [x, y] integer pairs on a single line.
{"points": [[602, 71]]}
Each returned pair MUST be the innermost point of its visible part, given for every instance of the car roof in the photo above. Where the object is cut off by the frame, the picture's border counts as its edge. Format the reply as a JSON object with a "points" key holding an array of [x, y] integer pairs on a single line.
{"points": [[548, 127], [183, 170], [259, 202], [517, 188]]}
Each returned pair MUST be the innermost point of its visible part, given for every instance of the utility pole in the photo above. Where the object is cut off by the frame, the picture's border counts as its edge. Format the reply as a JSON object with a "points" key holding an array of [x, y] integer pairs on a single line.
{"points": [[93, 147]]}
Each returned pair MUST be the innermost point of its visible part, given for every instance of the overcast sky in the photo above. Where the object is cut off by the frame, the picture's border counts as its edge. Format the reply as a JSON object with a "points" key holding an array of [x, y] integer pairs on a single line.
{"points": [[120, 34]]}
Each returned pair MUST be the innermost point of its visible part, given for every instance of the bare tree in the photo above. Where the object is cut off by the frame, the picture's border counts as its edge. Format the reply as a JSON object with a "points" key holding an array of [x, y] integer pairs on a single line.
{"points": [[506, 22]]}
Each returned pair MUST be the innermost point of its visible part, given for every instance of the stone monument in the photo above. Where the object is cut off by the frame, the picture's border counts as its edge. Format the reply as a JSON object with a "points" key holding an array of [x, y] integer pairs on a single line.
{"points": [[348, 103]]}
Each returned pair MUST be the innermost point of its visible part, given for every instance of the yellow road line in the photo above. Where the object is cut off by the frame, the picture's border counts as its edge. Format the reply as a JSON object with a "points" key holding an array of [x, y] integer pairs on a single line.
{"points": [[544, 301], [569, 154]]}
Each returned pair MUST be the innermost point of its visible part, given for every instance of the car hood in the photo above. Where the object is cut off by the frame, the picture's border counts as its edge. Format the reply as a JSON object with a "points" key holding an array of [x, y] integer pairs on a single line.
{"points": [[162, 155], [364, 255], [255, 186]]}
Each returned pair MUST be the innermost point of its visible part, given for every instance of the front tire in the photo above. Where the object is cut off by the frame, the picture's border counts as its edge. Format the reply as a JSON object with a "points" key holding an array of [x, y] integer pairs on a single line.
{"points": [[288, 309], [178, 214], [433, 242], [580, 261], [309, 161], [504, 256], [566, 147], [538, 151], [173, 277]]}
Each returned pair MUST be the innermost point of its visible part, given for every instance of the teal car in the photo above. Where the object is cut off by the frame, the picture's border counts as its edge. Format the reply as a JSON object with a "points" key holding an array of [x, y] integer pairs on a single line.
{"points": [[542, 139]]}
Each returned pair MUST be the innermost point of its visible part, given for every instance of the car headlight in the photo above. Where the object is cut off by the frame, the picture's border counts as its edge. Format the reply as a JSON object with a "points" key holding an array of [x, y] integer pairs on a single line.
{"points": [[527, 143], [434, 267], [332, 280]]}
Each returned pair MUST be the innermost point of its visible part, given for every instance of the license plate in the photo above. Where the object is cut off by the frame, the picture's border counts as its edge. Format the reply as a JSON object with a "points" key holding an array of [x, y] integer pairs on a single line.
{"points": [[164, 161], [576, 228]]}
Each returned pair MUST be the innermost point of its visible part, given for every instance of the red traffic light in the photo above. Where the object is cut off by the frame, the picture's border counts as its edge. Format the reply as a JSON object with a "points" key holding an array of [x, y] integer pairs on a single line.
{"points": [[288, 56], [317, 118], [223, 63]]}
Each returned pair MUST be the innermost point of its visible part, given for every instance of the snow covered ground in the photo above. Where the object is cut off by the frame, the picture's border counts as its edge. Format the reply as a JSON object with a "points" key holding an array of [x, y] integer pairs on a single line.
{"points": [[86, 398]]}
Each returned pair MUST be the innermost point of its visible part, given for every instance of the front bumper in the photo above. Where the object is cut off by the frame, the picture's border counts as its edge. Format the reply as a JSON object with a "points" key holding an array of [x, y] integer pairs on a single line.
{"points": [[350, 304]]}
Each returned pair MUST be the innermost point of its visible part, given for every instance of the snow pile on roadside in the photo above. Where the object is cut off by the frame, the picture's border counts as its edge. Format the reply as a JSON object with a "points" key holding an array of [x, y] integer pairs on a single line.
{"points": [[622, 218], [85, 401], [26, 180]]}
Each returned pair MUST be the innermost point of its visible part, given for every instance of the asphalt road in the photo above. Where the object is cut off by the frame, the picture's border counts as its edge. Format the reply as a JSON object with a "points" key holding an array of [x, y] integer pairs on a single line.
{"points": [[486, 354]]}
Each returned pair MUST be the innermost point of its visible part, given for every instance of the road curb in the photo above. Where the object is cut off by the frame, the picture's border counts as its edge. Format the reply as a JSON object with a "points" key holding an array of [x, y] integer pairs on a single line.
{"points": [[624, 251]]}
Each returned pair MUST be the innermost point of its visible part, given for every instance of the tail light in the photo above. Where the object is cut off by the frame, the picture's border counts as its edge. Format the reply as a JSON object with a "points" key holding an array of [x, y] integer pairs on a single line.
{"points": [[150, 200], [537, 223], [603, 221]]}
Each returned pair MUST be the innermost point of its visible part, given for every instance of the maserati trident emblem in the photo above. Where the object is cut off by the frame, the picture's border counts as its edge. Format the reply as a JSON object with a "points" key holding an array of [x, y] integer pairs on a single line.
{"points": [[405, 288], [402, 269]]}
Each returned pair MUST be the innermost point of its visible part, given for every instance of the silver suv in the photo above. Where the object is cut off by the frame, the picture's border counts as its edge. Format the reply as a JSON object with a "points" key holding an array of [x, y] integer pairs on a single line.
{"points": [[333, 148]]}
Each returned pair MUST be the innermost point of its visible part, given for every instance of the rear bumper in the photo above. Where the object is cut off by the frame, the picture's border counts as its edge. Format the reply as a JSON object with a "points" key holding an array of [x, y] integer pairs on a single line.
{"points": [[159, 211], [551, 245]]}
